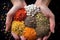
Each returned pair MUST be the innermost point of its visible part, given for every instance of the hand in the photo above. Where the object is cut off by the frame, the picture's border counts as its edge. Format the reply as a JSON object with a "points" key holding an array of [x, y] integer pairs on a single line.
{"points": [[7, 27], [47, 36], [52, 24], [52, 29], [6, 30]]}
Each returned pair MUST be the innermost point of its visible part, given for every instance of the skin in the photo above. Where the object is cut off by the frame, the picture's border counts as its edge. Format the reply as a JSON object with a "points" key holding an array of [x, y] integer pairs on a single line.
{"points": [[46, 2], [17, 4], [43, 4]]}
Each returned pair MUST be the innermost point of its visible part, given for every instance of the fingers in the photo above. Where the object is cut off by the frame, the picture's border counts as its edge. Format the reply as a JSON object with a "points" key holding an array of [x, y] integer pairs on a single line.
{"points": [[16, 37], [6, 29], [46, 37], [39, 39], [52, 29], [22, 38]]}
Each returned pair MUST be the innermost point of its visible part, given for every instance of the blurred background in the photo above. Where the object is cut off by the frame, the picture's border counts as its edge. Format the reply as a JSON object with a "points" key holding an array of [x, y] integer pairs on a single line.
{"points": [[5, 5]]}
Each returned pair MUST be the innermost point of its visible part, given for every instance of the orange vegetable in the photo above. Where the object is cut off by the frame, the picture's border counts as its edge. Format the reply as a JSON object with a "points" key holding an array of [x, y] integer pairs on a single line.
{"points": [[20, 14], [29, 33]]}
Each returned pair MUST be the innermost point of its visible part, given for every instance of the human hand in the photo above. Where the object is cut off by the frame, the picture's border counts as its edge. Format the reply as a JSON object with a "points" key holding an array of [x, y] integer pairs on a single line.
{"points": [[49, 14], [52, 29], [8, 24], [7, 28]]}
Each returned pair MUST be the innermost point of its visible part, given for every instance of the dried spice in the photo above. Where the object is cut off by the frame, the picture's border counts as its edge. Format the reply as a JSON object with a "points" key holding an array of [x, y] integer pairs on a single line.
{"points": [[30, 22], [29, 33], [42, 24], [20, 14], [18, 27]]}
